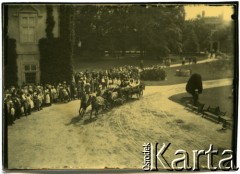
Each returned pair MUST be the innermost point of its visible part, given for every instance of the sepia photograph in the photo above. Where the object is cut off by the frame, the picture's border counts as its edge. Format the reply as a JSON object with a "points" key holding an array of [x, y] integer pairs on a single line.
{"points": [[120, 86]]}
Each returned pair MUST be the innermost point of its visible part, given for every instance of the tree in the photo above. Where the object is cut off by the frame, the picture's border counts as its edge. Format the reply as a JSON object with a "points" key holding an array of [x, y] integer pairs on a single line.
{"points": [[155, 30], [10, 54], [203, 33], [191, 43], [66, 42], [90, 30], [50, 22], [10, 62], [56, 53], [225, 36]]}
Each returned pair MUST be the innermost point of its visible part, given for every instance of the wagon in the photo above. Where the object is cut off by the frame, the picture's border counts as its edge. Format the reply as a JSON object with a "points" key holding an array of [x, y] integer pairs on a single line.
{"points": [[130, 91]]}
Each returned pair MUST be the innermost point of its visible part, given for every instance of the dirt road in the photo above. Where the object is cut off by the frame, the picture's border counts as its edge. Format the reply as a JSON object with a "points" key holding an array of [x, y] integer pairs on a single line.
{"points": [[56, 138]]}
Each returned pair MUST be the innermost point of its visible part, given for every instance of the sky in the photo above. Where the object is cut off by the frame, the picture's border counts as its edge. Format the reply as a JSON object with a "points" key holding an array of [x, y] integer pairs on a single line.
{"points": [[193, 10]]}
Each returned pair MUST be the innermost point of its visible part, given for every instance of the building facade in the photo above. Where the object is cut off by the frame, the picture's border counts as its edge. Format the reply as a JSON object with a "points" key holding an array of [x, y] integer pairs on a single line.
{"points": [[27, 24]]}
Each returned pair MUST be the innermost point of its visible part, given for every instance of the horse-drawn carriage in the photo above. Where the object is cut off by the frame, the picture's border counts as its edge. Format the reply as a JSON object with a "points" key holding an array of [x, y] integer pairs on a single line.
{"points": [[130, 91], [110, 98], [124, 94]]}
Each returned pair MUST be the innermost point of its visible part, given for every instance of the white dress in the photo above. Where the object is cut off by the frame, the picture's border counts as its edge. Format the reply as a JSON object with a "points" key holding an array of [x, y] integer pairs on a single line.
{"points": [[47, 98]]}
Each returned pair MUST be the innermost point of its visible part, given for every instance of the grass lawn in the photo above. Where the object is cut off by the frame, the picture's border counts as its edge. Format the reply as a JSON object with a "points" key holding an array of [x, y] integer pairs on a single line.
{"points": [[219, 96], [208, 71], [99, 64], [103, 64]]}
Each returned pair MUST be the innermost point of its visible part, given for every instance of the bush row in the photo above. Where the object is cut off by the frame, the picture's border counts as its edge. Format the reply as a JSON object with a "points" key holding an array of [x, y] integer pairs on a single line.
{"points": [[153, 74]]}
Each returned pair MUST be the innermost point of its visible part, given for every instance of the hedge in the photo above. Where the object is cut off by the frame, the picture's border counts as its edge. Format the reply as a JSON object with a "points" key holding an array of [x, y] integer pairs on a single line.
{"points": [[153, 74]]}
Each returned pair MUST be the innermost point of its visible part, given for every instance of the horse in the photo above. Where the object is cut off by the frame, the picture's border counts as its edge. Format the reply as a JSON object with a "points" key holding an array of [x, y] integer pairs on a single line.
{"points": [[98, 103], [85, 102], [111, 97]]}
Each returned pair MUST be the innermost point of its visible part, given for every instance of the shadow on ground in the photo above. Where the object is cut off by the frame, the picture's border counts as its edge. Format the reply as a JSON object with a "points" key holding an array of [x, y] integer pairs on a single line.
{"points": [[90, 120], [74, 120]]}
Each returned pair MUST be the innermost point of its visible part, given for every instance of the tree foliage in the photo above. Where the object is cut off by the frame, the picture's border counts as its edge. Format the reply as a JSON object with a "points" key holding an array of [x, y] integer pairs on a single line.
{"points": [[152, 29], [10, 62], [198, 35], [50, 22], [191, 42], [56, 53], [225, 36]]}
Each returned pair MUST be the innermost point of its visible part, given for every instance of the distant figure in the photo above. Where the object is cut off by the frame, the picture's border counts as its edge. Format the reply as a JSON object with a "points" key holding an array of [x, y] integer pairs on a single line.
{"points": [[141, 64], [194, 87], [212, 53], [183, 61], [189, 60], [195, 60], [163, 61], [217, 54], [169, 62], [166, 62]]}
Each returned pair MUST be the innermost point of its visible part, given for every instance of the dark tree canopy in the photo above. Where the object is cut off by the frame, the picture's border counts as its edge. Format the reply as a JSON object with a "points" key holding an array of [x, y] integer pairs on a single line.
{"points": [[56, 53], [50, 22], [10, 62], [152, 29]]}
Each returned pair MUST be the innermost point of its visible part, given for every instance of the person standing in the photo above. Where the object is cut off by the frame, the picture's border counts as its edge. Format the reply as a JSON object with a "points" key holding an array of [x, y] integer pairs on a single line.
{"points": [[169, 62], [189, 60], [183, 61], [195, 60], [47, 98], [141, 65], [73, 91], [28, 104], [194, 87]]}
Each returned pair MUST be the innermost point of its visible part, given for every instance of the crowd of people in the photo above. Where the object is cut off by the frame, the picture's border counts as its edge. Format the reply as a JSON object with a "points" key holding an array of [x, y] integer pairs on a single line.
{"points": [[92, 81], [21, 101]]}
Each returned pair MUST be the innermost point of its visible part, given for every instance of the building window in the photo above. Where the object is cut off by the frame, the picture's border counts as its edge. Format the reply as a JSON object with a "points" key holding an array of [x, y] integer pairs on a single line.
{"points": [[27, 67], [30, 77], [28, 28], [30, 73]]}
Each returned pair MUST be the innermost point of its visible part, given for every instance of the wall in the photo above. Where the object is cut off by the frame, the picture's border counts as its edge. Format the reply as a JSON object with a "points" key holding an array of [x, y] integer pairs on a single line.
{"points": [[28, 53]]}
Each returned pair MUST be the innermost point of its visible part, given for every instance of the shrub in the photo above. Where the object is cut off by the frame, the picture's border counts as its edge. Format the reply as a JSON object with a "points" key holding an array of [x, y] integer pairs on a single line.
{"points": [[153, 74], [223, 64]]}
